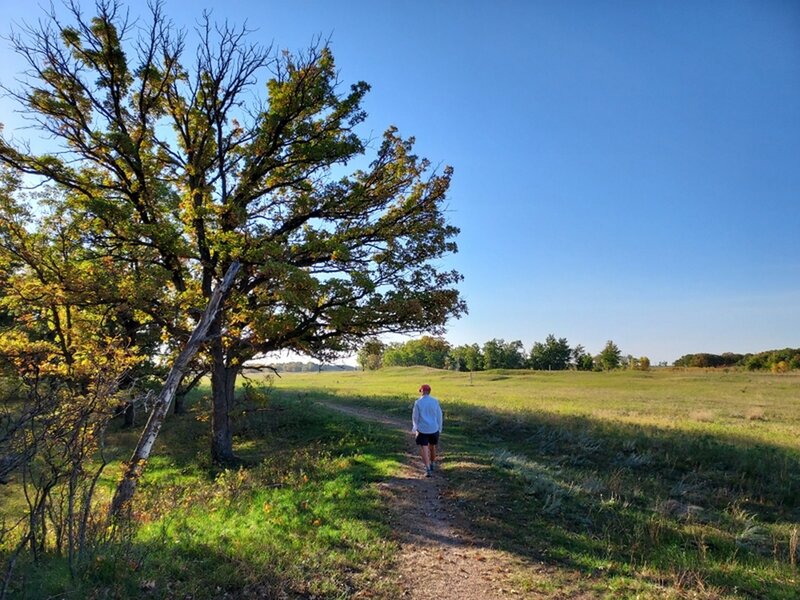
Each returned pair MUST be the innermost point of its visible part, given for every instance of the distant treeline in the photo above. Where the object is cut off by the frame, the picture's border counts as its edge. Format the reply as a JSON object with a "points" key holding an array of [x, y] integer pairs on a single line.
{"points": [[553, 354], [308, 367], [777, 361]]}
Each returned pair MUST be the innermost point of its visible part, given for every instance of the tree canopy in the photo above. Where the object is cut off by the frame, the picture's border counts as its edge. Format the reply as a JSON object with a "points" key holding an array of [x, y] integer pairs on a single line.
{"points": [[176, 167], [552, 355], [428, 351], [611, 357]]}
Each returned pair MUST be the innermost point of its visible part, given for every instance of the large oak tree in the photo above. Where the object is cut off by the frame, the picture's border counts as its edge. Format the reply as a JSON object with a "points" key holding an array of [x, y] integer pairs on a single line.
{"points": [[178, 165]]}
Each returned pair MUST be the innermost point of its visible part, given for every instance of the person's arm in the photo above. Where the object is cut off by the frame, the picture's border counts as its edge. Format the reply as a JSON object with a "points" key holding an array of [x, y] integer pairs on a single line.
{"points": [[441, 419], [414, 418]]}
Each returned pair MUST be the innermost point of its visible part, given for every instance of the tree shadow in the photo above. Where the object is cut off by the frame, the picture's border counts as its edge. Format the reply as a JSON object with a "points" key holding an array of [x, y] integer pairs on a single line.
{"points": [[298, 518], [673, 507]]}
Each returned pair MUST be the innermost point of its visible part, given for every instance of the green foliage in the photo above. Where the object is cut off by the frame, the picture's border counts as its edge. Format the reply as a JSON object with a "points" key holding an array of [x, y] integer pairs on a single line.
{"points": [[774, 360], [370, 355], [610, 358], [427, 351], [552, 355], [582, 360], [466, 358], [705, 359], [499, 354]]}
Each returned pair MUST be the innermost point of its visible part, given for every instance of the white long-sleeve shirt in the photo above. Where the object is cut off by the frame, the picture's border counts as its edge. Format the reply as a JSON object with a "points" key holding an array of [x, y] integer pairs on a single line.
{"points": [[427, 415]]}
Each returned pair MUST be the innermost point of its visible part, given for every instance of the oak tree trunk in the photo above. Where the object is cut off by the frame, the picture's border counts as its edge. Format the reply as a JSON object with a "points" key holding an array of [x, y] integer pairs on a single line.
{"points": [[223, 385], [129, 414]]}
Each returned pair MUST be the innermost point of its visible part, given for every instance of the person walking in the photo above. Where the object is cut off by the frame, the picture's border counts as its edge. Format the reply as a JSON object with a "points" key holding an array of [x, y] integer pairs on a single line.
{"points": [[426, 425]]}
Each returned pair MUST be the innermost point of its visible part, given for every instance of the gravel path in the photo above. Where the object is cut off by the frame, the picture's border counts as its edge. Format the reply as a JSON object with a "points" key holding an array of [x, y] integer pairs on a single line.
{"points": [[438, 557]]}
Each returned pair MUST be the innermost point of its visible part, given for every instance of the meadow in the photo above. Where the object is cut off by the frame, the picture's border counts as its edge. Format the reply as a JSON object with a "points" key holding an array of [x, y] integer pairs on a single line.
{"points": [[660, 484], [667, 483]]}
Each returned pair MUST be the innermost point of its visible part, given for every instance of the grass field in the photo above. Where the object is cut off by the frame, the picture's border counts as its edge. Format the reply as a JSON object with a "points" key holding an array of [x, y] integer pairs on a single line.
{"points": [[664, 484], [298, 519]]}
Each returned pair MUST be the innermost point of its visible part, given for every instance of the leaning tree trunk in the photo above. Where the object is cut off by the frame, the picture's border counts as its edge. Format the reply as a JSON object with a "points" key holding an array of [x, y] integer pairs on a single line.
{"points": [[127, 486]]}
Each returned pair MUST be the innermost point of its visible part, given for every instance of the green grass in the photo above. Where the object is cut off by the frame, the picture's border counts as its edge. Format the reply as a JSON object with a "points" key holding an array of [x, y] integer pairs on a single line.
{"points": [[667, 484], [659, 484], [299, 519]]}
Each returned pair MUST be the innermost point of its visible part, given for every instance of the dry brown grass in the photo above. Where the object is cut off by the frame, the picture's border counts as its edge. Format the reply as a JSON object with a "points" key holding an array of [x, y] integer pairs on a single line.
{"points": [[702, 416], [755, 413]]}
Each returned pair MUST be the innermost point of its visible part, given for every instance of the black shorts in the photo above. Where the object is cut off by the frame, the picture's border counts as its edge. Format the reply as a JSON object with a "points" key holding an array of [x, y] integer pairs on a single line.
{"points": [[425, 439]]}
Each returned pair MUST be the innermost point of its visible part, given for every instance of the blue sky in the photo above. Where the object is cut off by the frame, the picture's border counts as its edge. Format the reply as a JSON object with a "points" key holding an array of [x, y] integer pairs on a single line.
{"points": [[623, 170]]}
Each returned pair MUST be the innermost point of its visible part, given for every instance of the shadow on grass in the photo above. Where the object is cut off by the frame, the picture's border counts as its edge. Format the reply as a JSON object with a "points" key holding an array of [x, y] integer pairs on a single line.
{"points": [[664, 506], [297, 519]]}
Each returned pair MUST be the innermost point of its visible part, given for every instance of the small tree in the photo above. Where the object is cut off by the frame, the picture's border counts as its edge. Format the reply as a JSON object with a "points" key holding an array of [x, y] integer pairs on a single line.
{"points": [[456, 361], [582, 360], [473, 358], [466, 358], [370, 356], [611, 357], [68, 350]]}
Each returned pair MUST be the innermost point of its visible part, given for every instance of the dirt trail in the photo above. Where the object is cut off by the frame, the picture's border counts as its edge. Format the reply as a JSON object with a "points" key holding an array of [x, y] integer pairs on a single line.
{"points": [[438, 557]]}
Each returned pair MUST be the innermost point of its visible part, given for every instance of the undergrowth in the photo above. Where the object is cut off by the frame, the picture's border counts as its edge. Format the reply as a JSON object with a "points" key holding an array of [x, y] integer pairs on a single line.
{"points": [[297, 519]]}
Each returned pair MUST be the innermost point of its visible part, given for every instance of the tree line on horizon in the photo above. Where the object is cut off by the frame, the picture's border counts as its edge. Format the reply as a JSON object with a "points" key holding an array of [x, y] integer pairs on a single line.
{"points": [[777, 361], [297, 366], [552, 354]]}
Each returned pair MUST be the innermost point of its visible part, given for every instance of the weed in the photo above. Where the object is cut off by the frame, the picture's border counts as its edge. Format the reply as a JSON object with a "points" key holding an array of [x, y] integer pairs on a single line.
{"points": [[538, 481], [740, 515], [635, 460], [679, 510], [689, 488], [552, 503], [593, 486], [753, 537]]}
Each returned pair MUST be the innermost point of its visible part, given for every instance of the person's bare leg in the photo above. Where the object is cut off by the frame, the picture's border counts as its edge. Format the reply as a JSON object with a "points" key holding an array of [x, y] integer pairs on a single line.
{"points": [[426, 456], [432, 448]]}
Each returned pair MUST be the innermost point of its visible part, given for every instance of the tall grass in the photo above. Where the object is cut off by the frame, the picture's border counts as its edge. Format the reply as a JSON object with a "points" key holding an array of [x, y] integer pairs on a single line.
{"points": [[668, 484], [613, 475], [297, 519]]}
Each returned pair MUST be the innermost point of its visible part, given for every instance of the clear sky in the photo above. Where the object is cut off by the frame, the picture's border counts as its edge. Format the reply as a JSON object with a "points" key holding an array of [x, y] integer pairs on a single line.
{"points": [[624, 170]]}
